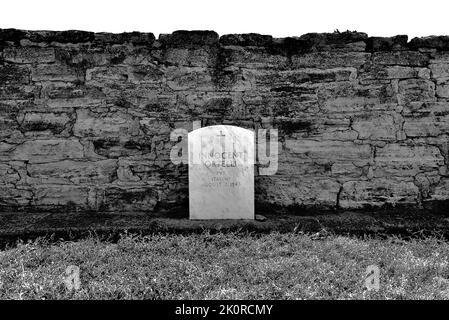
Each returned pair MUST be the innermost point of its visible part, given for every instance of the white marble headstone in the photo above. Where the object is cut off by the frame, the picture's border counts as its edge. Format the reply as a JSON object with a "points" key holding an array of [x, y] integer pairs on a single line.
{"points": [[221, 173]]}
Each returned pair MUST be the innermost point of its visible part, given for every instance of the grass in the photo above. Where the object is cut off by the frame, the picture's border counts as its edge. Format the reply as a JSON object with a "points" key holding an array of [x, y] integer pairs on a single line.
{"points": [[227, 266]]}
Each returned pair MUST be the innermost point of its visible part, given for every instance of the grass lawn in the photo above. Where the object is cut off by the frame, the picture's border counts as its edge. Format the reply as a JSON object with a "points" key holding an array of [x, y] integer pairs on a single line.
{"points": [[227, 266]]}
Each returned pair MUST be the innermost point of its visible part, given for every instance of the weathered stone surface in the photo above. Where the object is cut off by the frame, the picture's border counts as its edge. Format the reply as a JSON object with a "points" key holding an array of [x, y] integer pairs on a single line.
{"points": [[111, 75], [298, 192], [247, 39], [100, 125], [382, 92], [189, 78], [381, 126], [136, 38], [14, 197], [68, 36], [189, 57], [404, 160], [55, 72], [130, 198], [380, 72], [292, 78], [341, 150], [432, 42], [251, 57], [70, 91], [29, 55], [85, 119], [18, 92], [441, 191], [442, 90], [8, 174], [411, 90], [11, 35], [336, 40], [398, 42], [55, 122], [8, 121], [439, 70], [427, 120], [41, 151], [330, 59], [188, 39], [14, 74], [401, 58], [73, 172], [50, 195], [376, 193]]}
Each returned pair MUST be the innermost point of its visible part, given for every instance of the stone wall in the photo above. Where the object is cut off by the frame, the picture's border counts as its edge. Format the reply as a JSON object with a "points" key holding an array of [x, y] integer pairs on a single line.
{"points": [[85, 118]]}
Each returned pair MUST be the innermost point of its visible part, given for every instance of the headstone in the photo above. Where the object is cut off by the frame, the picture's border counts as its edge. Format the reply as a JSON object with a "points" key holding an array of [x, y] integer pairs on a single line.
{"points": [[221, 173]]}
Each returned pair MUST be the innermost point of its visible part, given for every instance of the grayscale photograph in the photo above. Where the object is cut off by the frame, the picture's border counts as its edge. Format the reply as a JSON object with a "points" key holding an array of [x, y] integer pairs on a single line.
{"points": [[224, 158]]}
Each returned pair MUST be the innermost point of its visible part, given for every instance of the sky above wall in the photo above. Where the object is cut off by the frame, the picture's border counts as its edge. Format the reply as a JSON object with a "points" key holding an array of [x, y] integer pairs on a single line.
{"points": [[280, 18]]}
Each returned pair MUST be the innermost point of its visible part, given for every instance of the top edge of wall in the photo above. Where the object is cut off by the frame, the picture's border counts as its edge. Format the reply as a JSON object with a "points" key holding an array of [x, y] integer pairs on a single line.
{"points": [[197, 38]]}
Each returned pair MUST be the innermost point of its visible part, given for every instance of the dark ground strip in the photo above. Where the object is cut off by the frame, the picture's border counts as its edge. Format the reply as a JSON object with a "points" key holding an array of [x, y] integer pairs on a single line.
{"points": [[404, 223]]}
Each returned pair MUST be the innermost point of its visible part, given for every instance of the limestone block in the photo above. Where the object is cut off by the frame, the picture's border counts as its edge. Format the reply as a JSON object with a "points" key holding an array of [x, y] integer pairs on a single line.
{"points": [[8, 175], [14, 74], [117, 124], [114, 147], [50, 150], [350, 97], [439, 70], [330, 59], [401, 58], [406, 160], [377, 126], [299, 76], [394, 43], [348, 171], [73, 172], [376, 193], [287, 191], [61, 104], [57, 195], [55, 122], [246, 40], [212, 104], [193, 78], [253, 58], [68, 90], [56, 72], [442, 90], [421, 127], [14, 197], [334, 150], [146, 74], [130, 198], [441, 191], [416, 90], [198, 57], [314, 191], [386, 72], [430, 120], [290, 165], [107, 75], [8, 122], [18, 92]]}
